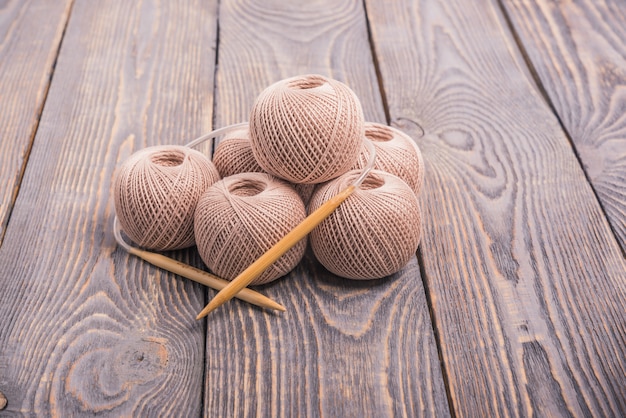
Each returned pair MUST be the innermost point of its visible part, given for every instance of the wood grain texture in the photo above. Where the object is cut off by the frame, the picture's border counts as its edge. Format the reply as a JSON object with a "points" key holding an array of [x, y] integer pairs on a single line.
{"points": [[578, 50], [265, 41], [87, 329], [528, 285], [30, 34], [343, 348]]}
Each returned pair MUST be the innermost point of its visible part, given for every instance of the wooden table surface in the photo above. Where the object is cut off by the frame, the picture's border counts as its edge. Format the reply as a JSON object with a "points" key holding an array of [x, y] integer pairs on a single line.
{"points": [[515, 304]]}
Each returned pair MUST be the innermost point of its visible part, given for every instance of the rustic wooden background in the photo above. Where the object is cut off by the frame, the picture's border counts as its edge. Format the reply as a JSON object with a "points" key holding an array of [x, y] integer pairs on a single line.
{"points": [[515, 304]]}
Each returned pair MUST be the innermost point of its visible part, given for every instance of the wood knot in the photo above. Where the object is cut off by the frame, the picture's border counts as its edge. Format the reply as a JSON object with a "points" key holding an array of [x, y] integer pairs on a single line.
{"points": [[141, 360], [106, 377], [409, 126]]}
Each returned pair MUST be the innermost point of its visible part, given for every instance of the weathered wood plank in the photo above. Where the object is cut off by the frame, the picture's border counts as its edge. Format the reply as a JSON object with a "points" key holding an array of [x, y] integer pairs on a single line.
{"points": [[343, 348], [578, 50], [528, 285], [30, 34], [267, 41], [85, 328]]}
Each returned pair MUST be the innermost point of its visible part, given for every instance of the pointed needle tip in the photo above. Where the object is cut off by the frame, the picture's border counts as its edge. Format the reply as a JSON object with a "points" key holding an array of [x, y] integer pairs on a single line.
{"points": [[201, 315]]}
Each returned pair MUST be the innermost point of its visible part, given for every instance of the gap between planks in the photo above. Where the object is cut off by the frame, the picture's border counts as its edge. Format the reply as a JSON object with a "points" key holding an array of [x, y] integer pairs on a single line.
{"points": [[35, 128]]}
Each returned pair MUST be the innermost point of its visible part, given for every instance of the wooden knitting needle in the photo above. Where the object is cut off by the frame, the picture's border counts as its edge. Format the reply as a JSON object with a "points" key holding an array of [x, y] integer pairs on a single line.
{"points": [[204, 278], [195, 274], [281, 247]]}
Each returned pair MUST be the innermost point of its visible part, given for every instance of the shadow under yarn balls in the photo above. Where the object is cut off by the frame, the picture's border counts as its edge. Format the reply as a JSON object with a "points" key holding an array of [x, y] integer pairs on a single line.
{"points": [[156, 191], [241, 217], [234, 155], [396, 153], [306, 129], [374, 233]]}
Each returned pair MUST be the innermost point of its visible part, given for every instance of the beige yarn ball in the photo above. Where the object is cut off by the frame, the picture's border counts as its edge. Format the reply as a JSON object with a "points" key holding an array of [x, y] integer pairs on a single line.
{"points": [[234, 155], [241, 217], [396, 153], [373, 233], [307, 129], [156, 191]]}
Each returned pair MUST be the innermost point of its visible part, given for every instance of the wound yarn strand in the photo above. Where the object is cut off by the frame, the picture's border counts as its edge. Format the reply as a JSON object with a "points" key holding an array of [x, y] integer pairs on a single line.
{"points": [[306, 129], [398, 154], [156, 191], [233, 154], [241, 217], [373, 233]]}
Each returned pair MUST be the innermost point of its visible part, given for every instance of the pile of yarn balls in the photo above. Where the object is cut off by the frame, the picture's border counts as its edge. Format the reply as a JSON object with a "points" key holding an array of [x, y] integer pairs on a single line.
{"points": [[303, 145]]}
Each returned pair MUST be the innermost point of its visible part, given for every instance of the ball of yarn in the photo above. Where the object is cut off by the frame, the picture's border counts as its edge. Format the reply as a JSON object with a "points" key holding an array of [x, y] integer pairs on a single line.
{"points": [[396, 153], [233, 154], [373, 233], [241, 217], [156, 191], [307, 129]]}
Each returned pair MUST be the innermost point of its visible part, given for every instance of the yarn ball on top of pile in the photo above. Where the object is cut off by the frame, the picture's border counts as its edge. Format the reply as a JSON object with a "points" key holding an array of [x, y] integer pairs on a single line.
{"points": [[307, 129]]}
